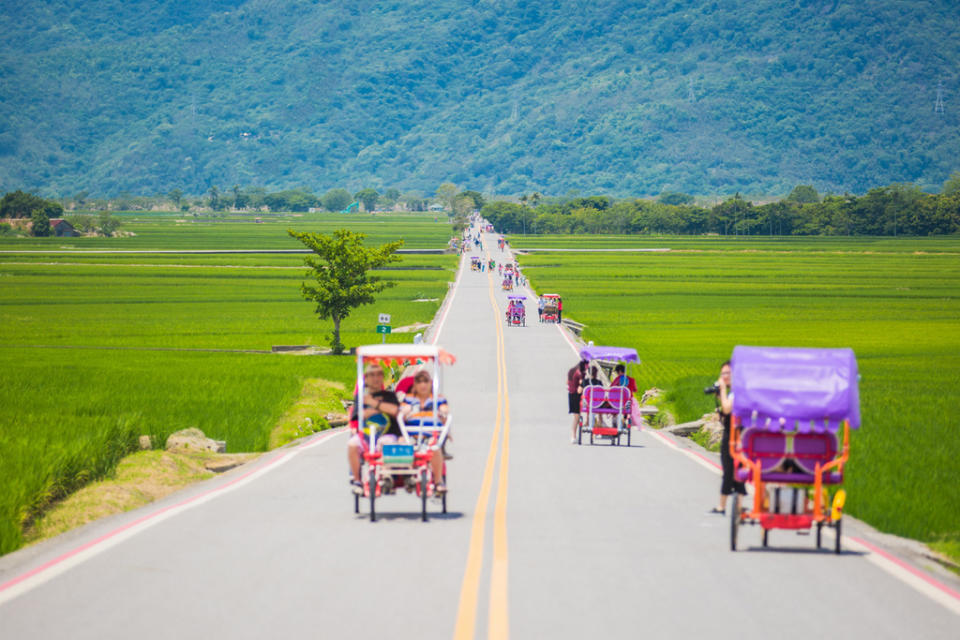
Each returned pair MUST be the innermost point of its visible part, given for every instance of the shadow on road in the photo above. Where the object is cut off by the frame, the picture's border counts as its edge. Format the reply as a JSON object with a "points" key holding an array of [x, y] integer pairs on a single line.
{"points": [[410, 515], [801, 550], [604, 445]]}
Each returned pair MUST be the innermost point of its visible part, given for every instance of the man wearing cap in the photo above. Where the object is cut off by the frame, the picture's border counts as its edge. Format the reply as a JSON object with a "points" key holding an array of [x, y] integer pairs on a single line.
{"points": [[380, 407]]}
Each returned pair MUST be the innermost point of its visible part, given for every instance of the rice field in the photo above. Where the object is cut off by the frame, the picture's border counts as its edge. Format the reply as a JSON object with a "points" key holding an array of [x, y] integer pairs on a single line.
{"points": [[895, 302], [98, 349], [242, 231]]}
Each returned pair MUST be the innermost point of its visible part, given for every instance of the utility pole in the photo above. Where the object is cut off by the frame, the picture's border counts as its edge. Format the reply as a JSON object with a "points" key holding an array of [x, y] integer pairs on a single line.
{"points": [[938, 106]]}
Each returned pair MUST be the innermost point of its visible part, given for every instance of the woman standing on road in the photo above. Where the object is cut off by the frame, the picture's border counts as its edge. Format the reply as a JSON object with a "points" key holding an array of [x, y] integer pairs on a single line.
{"points": [[725, 407], [574, 389]]}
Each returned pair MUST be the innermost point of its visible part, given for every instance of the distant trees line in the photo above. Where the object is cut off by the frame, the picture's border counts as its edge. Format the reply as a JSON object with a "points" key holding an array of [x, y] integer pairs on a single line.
{"points": [[334, 200], [448, 195], [239, 198], [899, 209]]}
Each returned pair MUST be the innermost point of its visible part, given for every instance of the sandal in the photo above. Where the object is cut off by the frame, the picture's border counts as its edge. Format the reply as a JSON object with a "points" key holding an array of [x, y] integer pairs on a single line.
{"points": [[357, 487], [716, 510], [439, 488]]}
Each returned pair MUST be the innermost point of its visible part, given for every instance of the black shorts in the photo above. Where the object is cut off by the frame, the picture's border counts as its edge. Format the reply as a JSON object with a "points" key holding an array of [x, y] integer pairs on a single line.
{"points": [[574, 402]]}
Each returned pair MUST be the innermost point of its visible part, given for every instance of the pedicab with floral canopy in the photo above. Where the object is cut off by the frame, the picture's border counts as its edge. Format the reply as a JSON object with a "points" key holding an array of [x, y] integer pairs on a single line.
{"points": [[551, 308], [405, 464], [789, 406]]}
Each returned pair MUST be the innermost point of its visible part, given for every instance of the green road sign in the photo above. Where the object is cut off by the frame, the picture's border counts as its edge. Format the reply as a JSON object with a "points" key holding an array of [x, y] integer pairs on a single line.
{"points": [[383, 328]]}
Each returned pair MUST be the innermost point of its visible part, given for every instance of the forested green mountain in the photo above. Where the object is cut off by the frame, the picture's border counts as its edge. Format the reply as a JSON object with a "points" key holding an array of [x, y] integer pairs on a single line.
{"points": [[624, 97]]}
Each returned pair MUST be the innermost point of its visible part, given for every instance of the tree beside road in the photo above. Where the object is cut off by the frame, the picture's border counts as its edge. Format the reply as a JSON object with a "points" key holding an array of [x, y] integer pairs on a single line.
{"points": [[341, 269]]}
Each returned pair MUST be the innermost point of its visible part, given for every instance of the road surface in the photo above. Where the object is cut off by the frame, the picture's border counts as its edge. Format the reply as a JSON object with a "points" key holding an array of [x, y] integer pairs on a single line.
{"points": [[544, 539]]}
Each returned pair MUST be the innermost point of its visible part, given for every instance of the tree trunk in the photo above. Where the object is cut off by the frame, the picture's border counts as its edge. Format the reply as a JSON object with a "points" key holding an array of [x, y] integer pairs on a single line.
{"points": [[335, 344]]}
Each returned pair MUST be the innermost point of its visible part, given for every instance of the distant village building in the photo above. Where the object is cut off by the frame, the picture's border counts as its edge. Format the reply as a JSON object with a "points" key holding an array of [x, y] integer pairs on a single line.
{"points": [[62, 229]]}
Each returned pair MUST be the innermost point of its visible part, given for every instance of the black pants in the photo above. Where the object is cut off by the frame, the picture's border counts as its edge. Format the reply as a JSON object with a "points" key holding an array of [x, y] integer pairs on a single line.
{"points": [[729, 484]]}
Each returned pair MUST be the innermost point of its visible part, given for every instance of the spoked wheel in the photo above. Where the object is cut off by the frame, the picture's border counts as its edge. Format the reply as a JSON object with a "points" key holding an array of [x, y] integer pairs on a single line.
{"points": [[765, 533], [423, 495], [373, 495], [734, 521], [837, 527], [356, 503], [819, 532], [629, 430], [579, 434], [591, 436]]}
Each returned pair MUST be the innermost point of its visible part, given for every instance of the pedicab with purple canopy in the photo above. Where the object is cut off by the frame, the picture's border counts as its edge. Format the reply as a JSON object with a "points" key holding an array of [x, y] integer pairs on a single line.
{"points": [[788, 407], [609, 407], [516, 312]]}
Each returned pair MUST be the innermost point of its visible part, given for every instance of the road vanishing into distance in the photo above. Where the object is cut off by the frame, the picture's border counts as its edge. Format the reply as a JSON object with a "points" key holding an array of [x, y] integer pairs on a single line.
{"points": [[543, 538]]}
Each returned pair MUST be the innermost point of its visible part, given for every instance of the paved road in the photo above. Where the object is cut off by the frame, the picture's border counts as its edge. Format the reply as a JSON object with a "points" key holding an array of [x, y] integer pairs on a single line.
{"points": [[561, 541]]}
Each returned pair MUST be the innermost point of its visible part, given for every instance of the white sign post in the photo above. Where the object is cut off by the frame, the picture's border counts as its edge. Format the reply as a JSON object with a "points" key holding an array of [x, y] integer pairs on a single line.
{"points": [[384, 318]]}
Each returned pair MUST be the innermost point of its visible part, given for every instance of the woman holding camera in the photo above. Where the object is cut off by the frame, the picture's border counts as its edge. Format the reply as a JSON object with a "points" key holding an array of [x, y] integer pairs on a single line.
{"points": [[725, 407]]}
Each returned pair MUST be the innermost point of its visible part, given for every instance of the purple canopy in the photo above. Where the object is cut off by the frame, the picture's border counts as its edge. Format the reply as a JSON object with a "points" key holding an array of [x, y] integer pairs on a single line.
{"points": [[776, 388], [516, 297], [609, 353]]}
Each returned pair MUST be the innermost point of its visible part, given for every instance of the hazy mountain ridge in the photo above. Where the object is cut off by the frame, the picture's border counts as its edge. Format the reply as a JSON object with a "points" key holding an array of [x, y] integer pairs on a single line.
{"points": [[506, 97]]}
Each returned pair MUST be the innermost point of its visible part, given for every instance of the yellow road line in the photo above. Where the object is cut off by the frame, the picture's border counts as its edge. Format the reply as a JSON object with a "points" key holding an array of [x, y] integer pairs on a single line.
{"points": [[470, 587], [499, 626]]}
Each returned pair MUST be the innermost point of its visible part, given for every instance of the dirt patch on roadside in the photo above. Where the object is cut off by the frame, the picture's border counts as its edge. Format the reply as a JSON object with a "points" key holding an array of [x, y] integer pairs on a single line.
{"points": [[140, 479]]}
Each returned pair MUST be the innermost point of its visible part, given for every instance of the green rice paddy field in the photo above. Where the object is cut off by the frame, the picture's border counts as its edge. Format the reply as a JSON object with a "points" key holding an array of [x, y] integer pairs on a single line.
{"points": [[98, 349], [895, 302]]}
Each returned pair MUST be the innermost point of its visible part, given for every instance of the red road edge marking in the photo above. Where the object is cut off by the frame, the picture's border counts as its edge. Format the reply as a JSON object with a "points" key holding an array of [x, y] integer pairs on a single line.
{"points": [[690, 451], [449, 302], [567, 338], [906, 567], [138, 521]]}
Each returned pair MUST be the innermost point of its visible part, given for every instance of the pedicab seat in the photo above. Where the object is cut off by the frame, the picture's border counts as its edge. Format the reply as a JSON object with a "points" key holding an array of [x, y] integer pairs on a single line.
{"points": [[603, 401], [597, 399], [771, 448]]}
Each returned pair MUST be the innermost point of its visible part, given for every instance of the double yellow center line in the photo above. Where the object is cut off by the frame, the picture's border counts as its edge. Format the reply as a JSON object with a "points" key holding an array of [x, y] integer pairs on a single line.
{"points": [[498, 618]]}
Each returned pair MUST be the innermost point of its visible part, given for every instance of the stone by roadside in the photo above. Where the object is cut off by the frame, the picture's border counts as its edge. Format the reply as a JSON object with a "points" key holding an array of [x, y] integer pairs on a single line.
{"points": [[190, 440]]}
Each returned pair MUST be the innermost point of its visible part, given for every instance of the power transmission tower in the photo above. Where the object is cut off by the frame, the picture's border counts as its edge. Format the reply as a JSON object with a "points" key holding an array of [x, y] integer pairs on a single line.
{"points": [[938, 107]]}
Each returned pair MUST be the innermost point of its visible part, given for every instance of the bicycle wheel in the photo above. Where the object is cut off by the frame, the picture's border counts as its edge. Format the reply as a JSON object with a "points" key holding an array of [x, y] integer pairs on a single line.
{"points": [[373, 495], [734, 521], [423, 495]]}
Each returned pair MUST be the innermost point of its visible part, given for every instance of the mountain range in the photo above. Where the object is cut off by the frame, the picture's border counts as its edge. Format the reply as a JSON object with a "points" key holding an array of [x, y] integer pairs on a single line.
{"points": [[617, 97]]}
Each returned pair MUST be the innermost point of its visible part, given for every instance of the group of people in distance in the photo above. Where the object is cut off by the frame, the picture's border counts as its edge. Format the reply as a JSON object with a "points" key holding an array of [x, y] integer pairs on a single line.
{"points": [[583, 375], [412, 397]]}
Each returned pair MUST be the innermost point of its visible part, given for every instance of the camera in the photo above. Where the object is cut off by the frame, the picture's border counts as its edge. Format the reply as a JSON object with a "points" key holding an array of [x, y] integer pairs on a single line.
{"points": [[712, 390]]}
